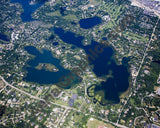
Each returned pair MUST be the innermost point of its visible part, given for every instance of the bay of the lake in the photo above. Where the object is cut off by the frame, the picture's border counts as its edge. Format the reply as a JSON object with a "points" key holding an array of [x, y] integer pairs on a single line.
{"points": [[28, 9], [103, 64]]}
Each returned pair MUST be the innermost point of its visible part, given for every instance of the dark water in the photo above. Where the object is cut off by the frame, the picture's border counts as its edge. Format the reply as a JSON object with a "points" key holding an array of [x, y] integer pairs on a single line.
{"points": [[3, 37], [28, 9], [89, 22], [55, 43], [103, 63], [42, 76], [104, 38], [62, 10], [158, 62], [73, 47]]}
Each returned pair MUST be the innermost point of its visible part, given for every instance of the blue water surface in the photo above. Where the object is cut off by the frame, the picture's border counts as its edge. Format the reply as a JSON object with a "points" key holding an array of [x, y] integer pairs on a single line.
{"points": [[89, 22], [103, 62], [4, 37], [28, 9], [43, 76]]}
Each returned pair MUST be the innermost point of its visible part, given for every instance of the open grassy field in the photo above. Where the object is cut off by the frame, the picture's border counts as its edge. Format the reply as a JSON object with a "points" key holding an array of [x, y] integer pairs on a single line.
{"points": [[94, 2], [94, 123], [70, 17], [60, 102], [55, 13], [109, 25], [135, 36], [113, 10]]}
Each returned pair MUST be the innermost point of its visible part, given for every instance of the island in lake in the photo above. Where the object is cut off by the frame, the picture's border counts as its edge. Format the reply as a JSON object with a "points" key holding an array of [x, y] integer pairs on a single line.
{"points": [[47, 67]]}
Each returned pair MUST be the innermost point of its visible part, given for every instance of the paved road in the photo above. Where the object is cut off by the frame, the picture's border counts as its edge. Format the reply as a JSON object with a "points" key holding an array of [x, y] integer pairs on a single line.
{"points": [[66, 107], [145, 53], [61, 118], [144, 56], [34, 97], [116, 124]]}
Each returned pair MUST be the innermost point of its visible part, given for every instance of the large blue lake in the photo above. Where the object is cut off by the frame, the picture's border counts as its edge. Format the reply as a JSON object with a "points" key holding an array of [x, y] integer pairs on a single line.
{"points": [[103, 63], [42, 76], [89, 22], [3, 37], [28, 9]]}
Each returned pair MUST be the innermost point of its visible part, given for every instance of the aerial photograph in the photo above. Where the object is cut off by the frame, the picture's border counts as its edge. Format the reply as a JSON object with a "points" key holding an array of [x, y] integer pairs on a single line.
{"points": [[79, 63]]}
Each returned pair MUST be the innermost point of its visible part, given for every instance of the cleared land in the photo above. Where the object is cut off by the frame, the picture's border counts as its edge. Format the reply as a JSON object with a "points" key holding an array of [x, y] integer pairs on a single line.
{"points": [[94, 123]]}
